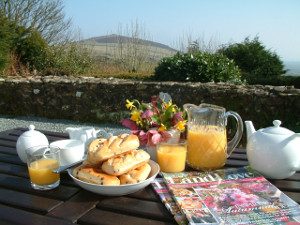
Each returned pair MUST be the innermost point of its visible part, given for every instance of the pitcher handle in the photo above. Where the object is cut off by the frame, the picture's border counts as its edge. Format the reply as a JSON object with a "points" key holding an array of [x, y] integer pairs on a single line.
{"points": [[238, 134]]}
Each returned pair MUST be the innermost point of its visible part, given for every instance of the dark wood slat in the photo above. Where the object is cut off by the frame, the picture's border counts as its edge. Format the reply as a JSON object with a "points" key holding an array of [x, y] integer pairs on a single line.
{"points": [[23, 185], [295, 177], [238, 156], [17, 131], [97, 217], [27, 201], [145, 194], [6, 132], [7, 143], [136, 207], [21, 171], [235, 163], [15, 170], [47, 133], [8, 137], [13, 159], [13, 138], [293, 195], [8, 150], [240, 150], [51, 139], [286, 185], [50, 134], [10, 215], [65, 179], [77, 206]]}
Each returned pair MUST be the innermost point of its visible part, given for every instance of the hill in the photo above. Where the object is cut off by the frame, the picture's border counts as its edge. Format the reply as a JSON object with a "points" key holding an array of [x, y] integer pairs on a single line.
{"points": [[111, 46], [114, 38]]}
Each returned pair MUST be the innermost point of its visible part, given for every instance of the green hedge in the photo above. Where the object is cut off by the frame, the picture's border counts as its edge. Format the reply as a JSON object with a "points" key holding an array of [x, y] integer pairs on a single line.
{"points": [[197, 67]]}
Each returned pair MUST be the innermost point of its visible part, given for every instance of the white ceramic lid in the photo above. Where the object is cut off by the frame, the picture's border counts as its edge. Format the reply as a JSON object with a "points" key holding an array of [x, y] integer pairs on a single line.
{"points": [[277, 129], [32, 132]]}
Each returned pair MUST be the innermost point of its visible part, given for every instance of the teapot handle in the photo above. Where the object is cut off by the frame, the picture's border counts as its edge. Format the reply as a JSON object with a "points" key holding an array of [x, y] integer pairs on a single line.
{"points": [[238, 134]]}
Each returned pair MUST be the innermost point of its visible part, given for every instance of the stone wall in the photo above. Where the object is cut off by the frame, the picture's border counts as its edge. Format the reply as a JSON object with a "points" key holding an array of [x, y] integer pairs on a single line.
{"points": [[96, 100]]}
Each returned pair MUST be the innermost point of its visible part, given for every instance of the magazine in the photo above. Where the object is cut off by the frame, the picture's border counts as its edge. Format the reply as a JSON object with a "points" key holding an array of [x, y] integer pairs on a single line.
{"points": [[165, 196], [230, 196]]}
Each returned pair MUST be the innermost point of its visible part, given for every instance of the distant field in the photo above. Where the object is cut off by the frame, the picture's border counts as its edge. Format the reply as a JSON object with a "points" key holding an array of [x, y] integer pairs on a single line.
{"points": [[112, 50]]}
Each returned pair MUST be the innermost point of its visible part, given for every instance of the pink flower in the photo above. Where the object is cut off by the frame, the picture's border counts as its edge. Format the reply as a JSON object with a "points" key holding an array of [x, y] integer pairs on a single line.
{"points": [[129, 124], [177, 117], [147, 114], [165, 136], [153, 137], [142, 136]]}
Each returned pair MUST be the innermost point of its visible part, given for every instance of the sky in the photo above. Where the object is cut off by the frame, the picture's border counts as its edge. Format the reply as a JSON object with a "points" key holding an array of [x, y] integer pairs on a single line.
{"points": [[171, 22]]}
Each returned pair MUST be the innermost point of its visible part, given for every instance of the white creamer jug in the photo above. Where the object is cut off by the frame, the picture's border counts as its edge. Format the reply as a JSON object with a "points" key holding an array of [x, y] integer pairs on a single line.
{"points": [[85, 134]]}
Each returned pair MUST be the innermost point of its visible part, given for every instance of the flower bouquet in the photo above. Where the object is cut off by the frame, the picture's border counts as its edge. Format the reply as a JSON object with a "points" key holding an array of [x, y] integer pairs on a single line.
{"points": [[155, 121]]}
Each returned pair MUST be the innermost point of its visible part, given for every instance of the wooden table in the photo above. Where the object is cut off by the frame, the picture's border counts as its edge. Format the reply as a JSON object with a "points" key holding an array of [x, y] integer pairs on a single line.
{"points": [[69, 204]]}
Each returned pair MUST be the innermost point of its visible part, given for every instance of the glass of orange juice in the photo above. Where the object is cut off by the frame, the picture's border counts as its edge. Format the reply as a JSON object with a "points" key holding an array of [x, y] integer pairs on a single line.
{"points": [[207, 146], [171, 157], [41, 161]]}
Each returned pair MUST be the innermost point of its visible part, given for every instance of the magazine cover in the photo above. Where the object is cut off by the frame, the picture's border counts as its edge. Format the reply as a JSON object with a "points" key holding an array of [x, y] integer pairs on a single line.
{"points": [[165, 196], [231, 196]]}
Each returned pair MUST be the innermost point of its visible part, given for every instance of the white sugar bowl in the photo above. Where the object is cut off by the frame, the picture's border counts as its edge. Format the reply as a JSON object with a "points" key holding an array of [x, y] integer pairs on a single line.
{"points": [[29, 139]]}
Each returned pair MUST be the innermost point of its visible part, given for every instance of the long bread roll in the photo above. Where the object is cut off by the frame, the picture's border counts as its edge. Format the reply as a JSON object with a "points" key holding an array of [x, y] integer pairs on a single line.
{"points": [[103, 149], [95, 175], [123, 163], [136, 175]]}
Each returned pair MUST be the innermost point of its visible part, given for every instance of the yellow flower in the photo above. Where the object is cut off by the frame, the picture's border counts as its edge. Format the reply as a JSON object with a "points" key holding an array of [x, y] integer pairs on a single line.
{"points": [[162, 128], [167, 104], [180, 125], [129, 104], [135, 115]]}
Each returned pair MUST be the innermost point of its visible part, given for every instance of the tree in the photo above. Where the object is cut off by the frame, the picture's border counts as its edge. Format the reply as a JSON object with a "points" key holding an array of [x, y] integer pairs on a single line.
{"points": [[45, 16], [255, 61], [20, 48], [5, 41]]}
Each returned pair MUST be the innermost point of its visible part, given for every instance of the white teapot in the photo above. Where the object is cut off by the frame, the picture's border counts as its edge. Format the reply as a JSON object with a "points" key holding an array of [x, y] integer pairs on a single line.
{"points": [[29, 139], [273, 151]]}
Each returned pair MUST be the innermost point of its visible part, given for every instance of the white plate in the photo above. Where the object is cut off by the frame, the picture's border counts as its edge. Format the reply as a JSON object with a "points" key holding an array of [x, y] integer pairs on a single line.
{"points": [[118, 190]]}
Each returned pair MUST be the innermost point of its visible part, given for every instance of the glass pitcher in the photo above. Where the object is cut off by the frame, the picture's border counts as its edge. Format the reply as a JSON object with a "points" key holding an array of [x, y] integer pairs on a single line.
{"points": [[207, 147]]}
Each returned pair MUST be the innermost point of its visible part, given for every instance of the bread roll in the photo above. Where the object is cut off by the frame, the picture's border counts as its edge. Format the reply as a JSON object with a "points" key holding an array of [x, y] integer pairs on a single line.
{"points": [[103, 149], [95, 175], [136, 175], [123, 163]]}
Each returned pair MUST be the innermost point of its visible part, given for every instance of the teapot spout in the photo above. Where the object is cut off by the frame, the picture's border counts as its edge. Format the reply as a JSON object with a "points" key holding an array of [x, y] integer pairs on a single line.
{"points": [[249, 128]]}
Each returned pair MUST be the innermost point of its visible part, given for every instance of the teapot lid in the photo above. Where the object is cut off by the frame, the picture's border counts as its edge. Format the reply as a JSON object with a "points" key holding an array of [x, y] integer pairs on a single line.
{"points": [[32, 132], [276, 129]]}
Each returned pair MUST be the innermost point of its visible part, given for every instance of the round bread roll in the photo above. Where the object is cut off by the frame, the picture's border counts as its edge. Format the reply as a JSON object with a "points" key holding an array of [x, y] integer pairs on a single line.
{"points": [[137, 175], [95, 175], [123, 163], [103, 149]]}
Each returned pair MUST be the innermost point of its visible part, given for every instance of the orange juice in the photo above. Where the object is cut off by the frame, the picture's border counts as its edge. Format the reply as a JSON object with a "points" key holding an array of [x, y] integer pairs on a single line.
{"points": [[207, 147], [40, 171], [171, 157]]}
